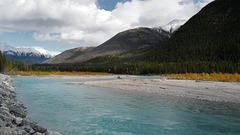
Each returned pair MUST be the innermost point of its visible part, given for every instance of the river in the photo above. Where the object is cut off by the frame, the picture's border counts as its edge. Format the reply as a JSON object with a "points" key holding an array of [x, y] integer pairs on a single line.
{"points": [[78, 109]]}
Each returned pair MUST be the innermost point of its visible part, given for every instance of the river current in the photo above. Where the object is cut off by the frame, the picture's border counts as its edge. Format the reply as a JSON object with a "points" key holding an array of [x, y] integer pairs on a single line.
{"points": [[83, 110]]}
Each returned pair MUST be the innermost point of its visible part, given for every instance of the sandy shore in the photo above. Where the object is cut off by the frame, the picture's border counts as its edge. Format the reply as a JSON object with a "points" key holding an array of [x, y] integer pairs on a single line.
{"points": [[204, 90]]}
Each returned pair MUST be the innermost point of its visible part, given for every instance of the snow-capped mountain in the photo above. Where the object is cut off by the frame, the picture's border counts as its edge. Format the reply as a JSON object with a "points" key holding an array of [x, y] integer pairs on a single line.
{"points": [[31, 55], [37, 50], [172, 26]]}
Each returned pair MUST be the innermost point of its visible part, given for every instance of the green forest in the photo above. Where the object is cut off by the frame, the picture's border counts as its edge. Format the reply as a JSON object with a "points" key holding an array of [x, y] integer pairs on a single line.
{"points": [[9, 66], [125, 64], [212, 35]]}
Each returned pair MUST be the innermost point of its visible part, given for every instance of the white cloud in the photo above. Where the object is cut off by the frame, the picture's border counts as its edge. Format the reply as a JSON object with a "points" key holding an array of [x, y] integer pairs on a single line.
{"points": [[82, 22]]}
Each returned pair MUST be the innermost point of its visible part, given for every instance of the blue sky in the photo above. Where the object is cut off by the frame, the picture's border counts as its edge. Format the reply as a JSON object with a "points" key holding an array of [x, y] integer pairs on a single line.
{"points": [[59, 25], [109, 4]]}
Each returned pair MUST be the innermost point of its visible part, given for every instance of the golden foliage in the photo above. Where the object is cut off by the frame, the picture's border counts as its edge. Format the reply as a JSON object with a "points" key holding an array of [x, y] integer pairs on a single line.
{"points": [[205, 76]]}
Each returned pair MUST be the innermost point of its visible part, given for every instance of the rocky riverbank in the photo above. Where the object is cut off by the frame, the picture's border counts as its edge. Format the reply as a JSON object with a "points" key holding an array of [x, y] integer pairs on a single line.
{"points": [[13, 114]]}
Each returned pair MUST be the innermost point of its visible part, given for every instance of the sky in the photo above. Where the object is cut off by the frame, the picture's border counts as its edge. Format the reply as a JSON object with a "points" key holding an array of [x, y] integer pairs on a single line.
{"points": [[58, 25]]}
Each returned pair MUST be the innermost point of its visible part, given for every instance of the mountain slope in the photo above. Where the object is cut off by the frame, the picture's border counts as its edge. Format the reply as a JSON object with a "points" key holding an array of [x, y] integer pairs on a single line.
{"points": [[125, 41], [31, 55], [66, 56], [211, 35]]}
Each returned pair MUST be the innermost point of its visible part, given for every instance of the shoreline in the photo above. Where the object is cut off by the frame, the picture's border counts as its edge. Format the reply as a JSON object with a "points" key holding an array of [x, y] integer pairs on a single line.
{"points": [[195, 89], [228, 92], [13, 113], [218, 77]]}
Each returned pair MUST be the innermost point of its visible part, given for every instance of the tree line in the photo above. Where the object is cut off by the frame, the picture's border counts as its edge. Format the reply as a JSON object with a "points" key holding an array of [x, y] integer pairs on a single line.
{"points": [[8, 66], [143, 68]]}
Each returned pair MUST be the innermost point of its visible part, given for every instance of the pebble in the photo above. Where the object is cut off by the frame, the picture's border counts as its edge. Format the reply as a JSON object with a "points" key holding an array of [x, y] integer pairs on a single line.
{"points": [[31, 131], [18, 121]]}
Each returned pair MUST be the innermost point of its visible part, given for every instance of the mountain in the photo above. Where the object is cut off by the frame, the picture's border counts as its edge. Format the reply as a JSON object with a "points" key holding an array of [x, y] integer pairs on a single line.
{"points": [[129, 40], [31, 55], [139, 39], [212, 35]]}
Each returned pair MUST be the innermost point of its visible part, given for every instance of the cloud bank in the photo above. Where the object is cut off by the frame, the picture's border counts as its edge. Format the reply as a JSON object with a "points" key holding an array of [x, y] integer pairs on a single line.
{"points": [[83, 22]]}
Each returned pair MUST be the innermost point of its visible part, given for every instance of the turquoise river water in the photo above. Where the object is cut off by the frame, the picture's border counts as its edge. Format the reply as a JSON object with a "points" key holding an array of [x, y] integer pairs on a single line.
{"points": [[83, 110]]}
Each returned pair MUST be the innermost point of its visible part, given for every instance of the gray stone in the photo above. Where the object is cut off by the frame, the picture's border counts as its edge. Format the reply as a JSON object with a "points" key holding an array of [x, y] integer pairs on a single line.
{"points": [[38, 133], [5, 108], [7, 114], [9, 124], [11, 89], [27, 121], [4, 93], [28, 129], [5, 118], [38, 128], [18, 111], [18, 121], [24, 133], [31, 131], [20, 132], [2, 123], [17, 132]]}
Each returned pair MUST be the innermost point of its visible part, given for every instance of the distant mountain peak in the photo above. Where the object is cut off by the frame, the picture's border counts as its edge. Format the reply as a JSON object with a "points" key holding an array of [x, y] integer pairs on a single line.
{"points": [[31, 55], [172, 26], [40, 50]]}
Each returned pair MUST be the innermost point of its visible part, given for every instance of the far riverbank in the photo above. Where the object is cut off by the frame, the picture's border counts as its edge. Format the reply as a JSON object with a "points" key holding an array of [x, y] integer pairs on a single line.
{"points": [[226, 77], [203, 90]]}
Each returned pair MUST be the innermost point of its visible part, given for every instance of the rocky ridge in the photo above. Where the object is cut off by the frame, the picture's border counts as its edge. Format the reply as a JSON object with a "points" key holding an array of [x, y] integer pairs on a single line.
{"points": [[13, 114]]}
